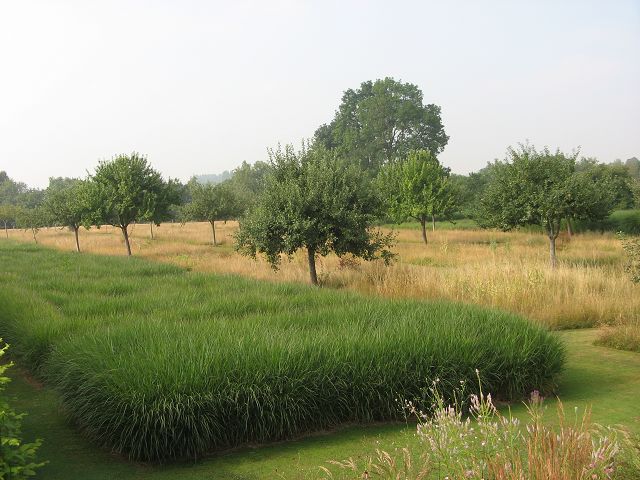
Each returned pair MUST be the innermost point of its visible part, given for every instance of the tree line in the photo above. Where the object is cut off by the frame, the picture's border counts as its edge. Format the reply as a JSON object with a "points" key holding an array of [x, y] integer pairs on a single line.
{"points": [[375, 162]]}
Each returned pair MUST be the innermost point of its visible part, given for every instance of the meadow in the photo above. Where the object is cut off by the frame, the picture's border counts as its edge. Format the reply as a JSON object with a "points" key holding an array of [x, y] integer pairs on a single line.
{"points": [[509, 271], [157, 363]]}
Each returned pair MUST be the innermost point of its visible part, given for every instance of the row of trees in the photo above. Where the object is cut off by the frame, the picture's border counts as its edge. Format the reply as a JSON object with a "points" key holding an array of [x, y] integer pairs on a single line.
{"points": [[375, 162], [317, 200], [123, 191]]}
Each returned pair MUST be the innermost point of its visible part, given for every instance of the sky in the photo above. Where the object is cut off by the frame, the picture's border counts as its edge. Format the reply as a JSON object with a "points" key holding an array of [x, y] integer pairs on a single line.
{"points": [[200, 86]]}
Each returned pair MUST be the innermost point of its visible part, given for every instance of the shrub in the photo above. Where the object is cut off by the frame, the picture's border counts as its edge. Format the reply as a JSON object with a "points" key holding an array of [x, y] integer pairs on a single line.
{"points": [[16, 457], [157, 363]]}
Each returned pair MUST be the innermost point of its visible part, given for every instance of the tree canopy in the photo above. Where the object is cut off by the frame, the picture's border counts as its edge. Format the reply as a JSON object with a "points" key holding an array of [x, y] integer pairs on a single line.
{"points": [[8, 216], [127, 189], [316, 201], [417, 187], [211, 203], [381, 122], [68, 203], [542, 188], [31, 219]]}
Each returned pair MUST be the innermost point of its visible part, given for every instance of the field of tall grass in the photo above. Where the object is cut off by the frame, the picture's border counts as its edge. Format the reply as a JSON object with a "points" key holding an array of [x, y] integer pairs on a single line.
{"points": [[509, 271], [157, 363]]}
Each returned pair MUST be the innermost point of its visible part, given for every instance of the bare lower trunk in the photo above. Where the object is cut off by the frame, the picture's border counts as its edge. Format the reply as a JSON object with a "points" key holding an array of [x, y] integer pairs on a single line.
{"points": [[151, 225], [423, 224], [213, 229], [553, 260], [6, 232], [34, 233], [75, 231], [569, 228], [311, 255], [433, 223], [125, 234]]}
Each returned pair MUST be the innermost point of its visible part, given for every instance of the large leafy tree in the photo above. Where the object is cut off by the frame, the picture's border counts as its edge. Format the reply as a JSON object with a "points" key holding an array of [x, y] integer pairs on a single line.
{"points": [[212, 203], [68, 203], [248, 182], [417, 187], [10, 190], [316, 201], [381, 122], [127, 189], [542, 188], [615, 175]]}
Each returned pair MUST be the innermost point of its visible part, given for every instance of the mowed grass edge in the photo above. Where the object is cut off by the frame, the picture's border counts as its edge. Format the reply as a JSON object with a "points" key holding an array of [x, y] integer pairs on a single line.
{"points": [[158, 363]]}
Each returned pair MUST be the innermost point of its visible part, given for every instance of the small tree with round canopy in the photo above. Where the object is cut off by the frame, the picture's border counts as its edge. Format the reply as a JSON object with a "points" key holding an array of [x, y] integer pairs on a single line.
{"points": [[315, 201], [212, 203], [541, 188], [127, 189]]}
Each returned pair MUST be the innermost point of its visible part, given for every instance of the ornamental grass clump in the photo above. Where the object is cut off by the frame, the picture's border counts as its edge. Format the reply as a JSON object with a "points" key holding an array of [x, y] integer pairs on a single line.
{"points": [[157, 363]]}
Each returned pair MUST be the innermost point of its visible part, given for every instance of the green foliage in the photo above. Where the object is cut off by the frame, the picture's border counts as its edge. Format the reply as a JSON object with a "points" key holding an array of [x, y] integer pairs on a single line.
{"points": [[625, 221], [8, 215], [68, 203], [542, 188], [469, 189], [248, 182], [211, 203], [17, 459], [631, 247], [31, 219], [126, 189], [417, 187], [617, 178], [218, 361], [10, 190], [381, 122], [313, 200]]}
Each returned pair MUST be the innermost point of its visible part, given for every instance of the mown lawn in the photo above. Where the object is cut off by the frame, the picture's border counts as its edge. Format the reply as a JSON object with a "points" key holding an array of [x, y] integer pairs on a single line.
{"points": [[603, 378]]}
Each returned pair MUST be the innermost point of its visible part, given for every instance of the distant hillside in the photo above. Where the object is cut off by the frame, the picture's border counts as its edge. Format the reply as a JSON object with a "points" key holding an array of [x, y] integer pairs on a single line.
{"points": [[214, 177]]}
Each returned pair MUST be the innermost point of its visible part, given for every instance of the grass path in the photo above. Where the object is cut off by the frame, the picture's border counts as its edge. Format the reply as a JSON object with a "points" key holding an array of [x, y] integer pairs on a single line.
{"points": [[606, 379]]}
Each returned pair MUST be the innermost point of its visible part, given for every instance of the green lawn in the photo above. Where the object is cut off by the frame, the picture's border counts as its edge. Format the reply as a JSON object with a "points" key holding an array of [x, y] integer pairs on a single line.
{"points": [[606, 379]]}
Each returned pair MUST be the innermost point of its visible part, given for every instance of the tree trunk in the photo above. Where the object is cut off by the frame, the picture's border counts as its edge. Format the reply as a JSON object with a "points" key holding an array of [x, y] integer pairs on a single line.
{"points": [[33, 232], [311, 255], [423, 224], [552, 251], [213, 229], [6, 232], [125, 234], [75, 231], [433, 223], [569, 228], [151, 224]]}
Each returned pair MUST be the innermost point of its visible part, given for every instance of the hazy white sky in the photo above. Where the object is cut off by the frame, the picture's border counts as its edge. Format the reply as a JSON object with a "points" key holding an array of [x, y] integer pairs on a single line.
{"points": [[200, 86]]}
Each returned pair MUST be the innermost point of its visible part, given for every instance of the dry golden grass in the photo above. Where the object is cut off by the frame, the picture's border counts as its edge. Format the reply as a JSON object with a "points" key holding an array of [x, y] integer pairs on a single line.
{"points": [[505, 270]]}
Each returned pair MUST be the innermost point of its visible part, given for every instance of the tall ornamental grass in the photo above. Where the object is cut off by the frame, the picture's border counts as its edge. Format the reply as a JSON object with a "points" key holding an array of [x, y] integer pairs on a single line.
{"points": [[158, 363]]}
